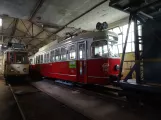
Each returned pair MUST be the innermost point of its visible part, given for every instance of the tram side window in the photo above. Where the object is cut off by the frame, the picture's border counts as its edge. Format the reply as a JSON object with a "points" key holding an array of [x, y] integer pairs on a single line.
{"points": [[31, 61], [57, 54], [47, 58], [11, 57], [36, 59], [52, 56], [72, 52], [41, 59], [82, 51], [99, 49], [63, 53]]}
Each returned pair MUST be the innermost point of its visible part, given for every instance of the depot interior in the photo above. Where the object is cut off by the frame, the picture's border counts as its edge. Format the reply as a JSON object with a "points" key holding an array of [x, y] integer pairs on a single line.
{"points": [[34, 27], [36, 23], [39, 23]]}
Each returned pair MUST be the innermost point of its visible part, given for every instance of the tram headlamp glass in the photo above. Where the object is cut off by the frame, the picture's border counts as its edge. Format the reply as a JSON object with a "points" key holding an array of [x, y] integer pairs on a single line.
{"points": [[12, 70], [117, 67], [25, 70]]}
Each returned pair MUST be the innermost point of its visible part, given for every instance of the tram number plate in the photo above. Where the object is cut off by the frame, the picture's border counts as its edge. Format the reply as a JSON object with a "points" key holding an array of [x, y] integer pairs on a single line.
{"points": [[72, 64]]}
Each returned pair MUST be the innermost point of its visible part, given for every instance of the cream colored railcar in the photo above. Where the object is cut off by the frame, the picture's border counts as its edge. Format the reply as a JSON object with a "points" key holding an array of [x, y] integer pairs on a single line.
{"points": [[15, 63]]}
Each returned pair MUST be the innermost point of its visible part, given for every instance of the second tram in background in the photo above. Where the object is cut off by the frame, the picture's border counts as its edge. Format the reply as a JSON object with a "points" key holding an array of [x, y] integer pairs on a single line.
{"points": [[15, 62], [90, 58]]}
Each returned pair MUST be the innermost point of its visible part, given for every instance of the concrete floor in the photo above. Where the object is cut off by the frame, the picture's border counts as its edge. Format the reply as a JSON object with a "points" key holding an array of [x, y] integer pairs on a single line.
{"points": [[8, 106], [35, 105], [96, 108]]}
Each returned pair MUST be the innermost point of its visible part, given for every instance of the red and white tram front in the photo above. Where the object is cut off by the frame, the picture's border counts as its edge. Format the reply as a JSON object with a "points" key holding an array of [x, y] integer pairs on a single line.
{"points": [[103, 66]]}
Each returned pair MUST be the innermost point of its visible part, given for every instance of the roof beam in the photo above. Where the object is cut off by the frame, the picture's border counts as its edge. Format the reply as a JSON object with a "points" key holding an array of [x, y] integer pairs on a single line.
{"points": [[14, 28], [35, 36], [23, 32], [54, 33], [36, 8], [27, 29]]}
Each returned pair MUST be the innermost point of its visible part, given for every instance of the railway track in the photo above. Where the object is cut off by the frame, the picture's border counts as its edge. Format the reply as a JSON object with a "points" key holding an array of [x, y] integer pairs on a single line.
{"points": [[20, 92], [18, 105], [103, 93]]}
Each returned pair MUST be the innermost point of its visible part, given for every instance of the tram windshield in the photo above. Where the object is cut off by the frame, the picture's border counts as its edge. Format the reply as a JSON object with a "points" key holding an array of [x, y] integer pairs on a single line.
{"points": [[99, 48], [21, 58], [113, 50], [18, 58], [104, 48]]}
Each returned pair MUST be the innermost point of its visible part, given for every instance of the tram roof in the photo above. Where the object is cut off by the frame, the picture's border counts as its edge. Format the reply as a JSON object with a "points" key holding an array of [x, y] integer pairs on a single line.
{"points": [[96, 35], [15, 50]]}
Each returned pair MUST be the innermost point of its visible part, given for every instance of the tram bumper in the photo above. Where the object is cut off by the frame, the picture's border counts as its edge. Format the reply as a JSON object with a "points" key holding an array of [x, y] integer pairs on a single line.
{"points": [[113, 78]]}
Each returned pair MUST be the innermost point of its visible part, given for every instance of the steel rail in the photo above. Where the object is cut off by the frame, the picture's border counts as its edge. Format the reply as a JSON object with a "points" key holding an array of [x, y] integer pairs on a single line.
{"points": [[19, 107]]}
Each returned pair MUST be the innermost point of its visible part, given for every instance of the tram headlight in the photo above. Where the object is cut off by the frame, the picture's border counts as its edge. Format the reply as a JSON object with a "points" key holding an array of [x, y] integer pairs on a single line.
{"points": [[25, 70], [117, 67], [12, 70]]}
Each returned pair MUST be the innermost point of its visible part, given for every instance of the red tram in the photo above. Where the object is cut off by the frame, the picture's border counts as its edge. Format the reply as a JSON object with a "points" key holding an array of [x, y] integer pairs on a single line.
{"points": [[90, 58]]}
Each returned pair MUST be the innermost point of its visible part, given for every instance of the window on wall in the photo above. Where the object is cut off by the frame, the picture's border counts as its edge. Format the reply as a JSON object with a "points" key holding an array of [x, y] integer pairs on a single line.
{"points": [[122, 31]]}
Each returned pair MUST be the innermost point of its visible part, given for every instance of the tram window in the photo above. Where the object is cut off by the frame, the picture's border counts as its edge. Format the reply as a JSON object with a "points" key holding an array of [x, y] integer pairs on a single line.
{"points": [[31, 61], [82, 51], [57, 54], [47, 58], [72, 52], [21, 58], [63, 53], [41, 59], [11, 59], [113, 50], [99, 49], [52, 56], [38, 59], [35, 60]]}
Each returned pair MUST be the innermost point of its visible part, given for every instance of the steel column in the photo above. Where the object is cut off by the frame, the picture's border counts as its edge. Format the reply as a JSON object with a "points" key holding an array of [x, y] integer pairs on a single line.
{"points": [[137, 52], [124, 49]]}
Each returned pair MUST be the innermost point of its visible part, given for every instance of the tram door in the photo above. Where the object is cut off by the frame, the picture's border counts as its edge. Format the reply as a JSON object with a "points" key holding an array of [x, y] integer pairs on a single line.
{"points": [[82, 55]]}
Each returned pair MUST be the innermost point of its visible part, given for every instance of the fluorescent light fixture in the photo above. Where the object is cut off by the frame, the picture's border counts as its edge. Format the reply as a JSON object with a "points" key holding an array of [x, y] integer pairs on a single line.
{"points": [[0, 21]]}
